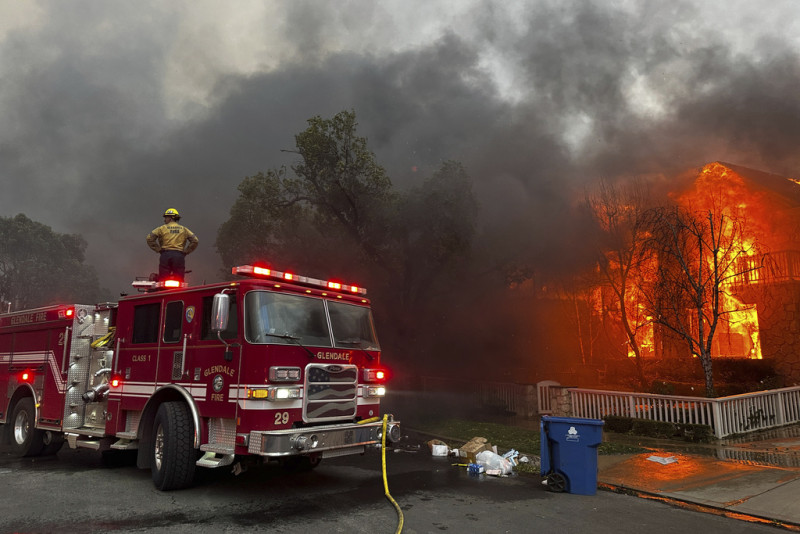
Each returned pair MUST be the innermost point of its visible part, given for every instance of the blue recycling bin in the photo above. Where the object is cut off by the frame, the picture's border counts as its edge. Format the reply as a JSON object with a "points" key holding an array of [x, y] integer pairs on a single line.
{"points": [[569, 453]]}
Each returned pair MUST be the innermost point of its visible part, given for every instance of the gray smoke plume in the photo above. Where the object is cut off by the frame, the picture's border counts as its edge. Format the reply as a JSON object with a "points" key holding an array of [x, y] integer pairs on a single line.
{"points": [[113, 112]]}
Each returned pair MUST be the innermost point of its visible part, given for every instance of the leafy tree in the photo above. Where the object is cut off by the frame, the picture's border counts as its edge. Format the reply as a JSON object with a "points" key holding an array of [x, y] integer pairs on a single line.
{"points": [[39, 266], [434, 229], [336, 211]]}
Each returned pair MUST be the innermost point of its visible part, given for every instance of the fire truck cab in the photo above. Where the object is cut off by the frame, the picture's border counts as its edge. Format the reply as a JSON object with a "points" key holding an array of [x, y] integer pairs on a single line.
{"points": [[272, 366]]}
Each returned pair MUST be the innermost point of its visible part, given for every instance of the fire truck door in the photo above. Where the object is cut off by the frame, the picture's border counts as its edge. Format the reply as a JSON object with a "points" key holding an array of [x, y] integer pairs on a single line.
{"points": [[215, 362], [178, 320]]}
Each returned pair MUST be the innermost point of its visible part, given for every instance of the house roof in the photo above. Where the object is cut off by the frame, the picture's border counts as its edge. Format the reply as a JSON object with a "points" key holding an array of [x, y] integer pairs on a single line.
{"points": [[788, 189]]}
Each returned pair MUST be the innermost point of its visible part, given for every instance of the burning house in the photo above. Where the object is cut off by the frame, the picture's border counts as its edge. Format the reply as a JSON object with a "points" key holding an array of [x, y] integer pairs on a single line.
{"points": [[754, 274]]}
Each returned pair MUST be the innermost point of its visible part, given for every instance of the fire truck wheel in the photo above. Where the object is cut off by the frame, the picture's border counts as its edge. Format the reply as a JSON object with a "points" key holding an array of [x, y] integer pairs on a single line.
{"points": [[53, 441], [174, 455], [26, 439]]}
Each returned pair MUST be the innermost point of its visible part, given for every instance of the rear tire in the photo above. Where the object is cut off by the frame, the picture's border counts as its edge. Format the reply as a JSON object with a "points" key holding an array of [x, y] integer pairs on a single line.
{"points": [[26, 439], [173, 453], [53, 441]]}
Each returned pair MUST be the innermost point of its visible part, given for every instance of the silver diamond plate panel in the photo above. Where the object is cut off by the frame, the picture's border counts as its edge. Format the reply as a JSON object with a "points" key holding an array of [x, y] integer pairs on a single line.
{"points": [[222, 431], [177, 364], [87, 327], [254, 446], [132, 419]]}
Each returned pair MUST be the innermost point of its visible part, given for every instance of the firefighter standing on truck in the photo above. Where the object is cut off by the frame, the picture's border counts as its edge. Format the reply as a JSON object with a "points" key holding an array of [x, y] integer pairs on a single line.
{"points": [[173, 242]]}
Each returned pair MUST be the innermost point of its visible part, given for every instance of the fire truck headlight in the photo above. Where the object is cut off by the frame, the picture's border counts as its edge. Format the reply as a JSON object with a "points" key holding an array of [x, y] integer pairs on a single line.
{"points": [[286, 393], [376, 391]]}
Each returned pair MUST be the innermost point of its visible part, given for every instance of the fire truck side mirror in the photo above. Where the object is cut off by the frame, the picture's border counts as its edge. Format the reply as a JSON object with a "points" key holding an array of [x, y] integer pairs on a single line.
{"points": [[219, 312]]}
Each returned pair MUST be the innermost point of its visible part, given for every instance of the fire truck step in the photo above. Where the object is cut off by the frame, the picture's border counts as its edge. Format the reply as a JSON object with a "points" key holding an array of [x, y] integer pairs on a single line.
{"points": [[344, 452], [210, 459], [125, 445]]}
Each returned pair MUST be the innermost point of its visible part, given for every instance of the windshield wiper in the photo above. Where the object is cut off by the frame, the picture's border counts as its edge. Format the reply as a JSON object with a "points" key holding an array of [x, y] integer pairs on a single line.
{"points": [[293, 339], [357, 343]]}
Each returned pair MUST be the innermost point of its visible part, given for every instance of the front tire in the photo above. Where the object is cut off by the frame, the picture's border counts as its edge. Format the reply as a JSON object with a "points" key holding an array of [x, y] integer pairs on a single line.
{"points": [[173, 453], [26, 439]]}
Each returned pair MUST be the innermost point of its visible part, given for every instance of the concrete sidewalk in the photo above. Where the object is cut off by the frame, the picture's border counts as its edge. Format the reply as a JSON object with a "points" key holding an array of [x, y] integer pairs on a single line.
{"points": [[738, 489]]}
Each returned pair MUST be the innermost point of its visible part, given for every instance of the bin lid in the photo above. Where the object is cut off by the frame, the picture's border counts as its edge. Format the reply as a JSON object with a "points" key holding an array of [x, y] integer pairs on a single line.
{"points": [[573, 420]]}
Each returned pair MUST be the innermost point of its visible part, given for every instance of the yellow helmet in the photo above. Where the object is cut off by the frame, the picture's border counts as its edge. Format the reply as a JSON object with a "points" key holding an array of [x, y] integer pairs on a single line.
{"points": [[172, 212]]}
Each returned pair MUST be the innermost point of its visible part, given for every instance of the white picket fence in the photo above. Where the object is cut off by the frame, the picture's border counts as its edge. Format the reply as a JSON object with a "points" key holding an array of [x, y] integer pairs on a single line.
{"points": [[727, 416]]}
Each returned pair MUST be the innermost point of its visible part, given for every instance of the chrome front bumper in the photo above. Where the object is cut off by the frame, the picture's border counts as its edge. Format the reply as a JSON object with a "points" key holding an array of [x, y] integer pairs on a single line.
{"points": [[330, 440]]}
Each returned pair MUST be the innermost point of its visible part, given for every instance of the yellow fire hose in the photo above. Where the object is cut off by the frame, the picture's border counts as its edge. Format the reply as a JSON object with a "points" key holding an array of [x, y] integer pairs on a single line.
{"points": [[383, 463], [386, 484]]}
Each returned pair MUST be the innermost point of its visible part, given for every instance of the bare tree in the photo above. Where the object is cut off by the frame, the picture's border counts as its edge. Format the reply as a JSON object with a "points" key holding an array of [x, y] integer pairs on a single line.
{"points": [[622, 215], [700, 254]]}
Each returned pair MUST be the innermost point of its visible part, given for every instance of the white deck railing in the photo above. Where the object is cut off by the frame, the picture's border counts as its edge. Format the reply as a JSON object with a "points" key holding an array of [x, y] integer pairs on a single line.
{"points": [[725, 415]]}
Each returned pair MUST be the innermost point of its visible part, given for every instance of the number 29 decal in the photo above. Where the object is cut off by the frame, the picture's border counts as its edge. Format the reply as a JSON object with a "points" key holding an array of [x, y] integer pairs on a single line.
{"points": [[281, 418]]}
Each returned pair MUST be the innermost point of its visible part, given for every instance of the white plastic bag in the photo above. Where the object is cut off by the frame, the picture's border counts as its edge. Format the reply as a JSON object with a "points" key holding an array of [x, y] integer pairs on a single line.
{"points": [[494, 463]]}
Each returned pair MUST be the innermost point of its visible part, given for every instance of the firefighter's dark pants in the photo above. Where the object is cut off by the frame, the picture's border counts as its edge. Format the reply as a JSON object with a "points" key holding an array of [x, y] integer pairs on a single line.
{"points": [[171, 264]]}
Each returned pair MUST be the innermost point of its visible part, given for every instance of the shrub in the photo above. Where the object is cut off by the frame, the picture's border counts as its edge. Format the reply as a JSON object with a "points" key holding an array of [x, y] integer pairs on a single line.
{"points": [[618, 424], [653, 429], [695, 433], [658, 429]]}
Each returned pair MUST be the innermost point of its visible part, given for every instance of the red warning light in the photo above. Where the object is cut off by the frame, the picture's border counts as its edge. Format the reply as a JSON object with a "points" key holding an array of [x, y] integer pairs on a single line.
{"points": [[70, 312], [288, 276], [172, 283], [26, 376], [115, 382]]}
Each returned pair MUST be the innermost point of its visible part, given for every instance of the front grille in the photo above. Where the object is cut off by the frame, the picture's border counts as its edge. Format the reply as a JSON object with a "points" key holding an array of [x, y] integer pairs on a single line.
{"points": [[331, 392]]}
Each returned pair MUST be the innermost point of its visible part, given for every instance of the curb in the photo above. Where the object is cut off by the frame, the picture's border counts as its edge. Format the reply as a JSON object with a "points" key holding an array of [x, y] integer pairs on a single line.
{"points": [[697, 507]]}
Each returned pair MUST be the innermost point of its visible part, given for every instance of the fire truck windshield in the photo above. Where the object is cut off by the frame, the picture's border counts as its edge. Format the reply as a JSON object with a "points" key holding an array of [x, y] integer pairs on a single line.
{"points": [[293, 319], [352, 326], [286, 319]]}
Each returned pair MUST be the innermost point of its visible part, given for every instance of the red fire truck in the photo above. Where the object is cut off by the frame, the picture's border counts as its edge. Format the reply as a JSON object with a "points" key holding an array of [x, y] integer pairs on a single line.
{"points": [[272, 366]]}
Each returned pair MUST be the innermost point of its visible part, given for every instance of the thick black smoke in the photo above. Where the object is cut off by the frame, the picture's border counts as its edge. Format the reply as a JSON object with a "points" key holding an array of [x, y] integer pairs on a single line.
{"points": [[90, 141]]}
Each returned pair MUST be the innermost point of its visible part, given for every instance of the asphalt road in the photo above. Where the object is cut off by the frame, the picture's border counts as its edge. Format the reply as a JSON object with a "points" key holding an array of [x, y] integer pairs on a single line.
{"points": [[76, 492]]}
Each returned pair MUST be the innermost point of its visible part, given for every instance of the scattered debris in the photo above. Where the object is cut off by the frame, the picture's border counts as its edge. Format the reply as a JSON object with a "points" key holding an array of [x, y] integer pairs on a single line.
{"points": [[475, 469], [494, 463], [439, 450], [512, 456], [474, 446], [438, 447], [664, 460], [407, 447]]}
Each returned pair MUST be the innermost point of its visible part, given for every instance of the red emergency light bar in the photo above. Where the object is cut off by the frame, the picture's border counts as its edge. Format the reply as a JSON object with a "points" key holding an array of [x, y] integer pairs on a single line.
{"points": [[164, 284], [264, 272]]}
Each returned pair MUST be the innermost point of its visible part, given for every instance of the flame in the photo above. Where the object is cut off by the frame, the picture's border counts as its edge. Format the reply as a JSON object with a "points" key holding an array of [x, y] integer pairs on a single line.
{"points": [[737, 334]]}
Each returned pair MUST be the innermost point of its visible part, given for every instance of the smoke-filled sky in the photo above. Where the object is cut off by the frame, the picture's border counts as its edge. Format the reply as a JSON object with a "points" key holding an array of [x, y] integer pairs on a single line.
{"points": [[113, 111]]}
